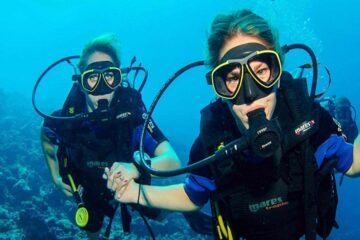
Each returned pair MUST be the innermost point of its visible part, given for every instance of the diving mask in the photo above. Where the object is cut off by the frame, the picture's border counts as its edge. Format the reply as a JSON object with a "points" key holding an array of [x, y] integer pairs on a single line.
{"points": [[246, 73], [100, 78]]}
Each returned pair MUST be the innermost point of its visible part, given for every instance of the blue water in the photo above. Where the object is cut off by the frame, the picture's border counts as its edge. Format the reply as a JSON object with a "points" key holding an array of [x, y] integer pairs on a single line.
{"points": [[164, 36]]}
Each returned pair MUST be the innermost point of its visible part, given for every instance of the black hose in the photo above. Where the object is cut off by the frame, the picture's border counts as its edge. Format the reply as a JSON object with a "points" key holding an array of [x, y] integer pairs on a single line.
{"points": [[39, 80], [147, 226], [288, 48], [145, 77]]}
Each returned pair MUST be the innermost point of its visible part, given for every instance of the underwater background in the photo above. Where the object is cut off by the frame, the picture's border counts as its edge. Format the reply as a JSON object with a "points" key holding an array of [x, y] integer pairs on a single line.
{"points": [[164, 36]]}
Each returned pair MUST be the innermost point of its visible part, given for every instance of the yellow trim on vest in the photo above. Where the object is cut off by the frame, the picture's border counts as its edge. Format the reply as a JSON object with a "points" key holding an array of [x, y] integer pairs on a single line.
{"points": [[219, 232], [223, 230], [229, 232], [73, 187]]}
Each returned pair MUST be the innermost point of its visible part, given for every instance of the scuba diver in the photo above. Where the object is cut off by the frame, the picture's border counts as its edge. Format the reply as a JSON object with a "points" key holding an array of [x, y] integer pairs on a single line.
{"points": [[343, 114], [266, 152], [100, 124]]}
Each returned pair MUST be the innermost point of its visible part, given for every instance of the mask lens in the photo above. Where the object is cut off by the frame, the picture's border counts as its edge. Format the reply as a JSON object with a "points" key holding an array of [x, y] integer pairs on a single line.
{"points": [[90, 79], [112, 77], [265, 68], [226, 79]]}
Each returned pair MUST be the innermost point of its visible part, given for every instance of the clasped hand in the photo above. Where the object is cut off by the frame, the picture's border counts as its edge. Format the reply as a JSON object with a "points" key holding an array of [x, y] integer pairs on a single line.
{"points": [[120, 179]]}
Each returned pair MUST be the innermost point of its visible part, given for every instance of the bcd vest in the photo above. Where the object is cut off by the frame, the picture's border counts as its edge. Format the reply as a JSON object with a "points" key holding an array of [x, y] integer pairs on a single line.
{"points": [[86, 147], [292, 191]]}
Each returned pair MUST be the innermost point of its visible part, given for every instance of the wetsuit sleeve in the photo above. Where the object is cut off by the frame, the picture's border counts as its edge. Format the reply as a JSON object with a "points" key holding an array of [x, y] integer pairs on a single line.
{"points": [[50, 128], [151, 140], [198, 188], [330, 143], [153, 134], [198, 185]]}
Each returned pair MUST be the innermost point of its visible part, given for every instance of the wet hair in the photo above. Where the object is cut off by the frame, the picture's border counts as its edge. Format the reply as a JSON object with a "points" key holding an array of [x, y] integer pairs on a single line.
{"points": [[226, 26], [104, 43]]}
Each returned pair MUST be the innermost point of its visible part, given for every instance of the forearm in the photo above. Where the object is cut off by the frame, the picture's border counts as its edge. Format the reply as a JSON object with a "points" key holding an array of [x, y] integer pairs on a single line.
{"points": [[165, 158], [50, 157], [354, 170], [53, 169], [165, 162], [173, 198]]}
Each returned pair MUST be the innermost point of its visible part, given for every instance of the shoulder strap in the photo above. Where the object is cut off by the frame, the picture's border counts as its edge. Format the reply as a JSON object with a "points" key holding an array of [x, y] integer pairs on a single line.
{"points": [[320, 196], [216, 125], [309, 192], [73, 104], [304, 115], [75, 101]]}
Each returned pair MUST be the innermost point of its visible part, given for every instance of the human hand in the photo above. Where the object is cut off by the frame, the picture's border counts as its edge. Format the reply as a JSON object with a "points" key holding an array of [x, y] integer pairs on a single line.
{"points": [[128, 192], [120, 174], [66, 189]]}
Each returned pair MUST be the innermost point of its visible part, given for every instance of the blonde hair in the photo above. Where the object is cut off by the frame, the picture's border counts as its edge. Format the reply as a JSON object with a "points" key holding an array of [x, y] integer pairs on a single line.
{"points": [[226, 26], [104, 43]]}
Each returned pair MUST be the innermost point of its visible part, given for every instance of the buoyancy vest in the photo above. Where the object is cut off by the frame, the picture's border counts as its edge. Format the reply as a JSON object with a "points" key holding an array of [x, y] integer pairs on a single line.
{"points": [[86, 148], [258, 201]]}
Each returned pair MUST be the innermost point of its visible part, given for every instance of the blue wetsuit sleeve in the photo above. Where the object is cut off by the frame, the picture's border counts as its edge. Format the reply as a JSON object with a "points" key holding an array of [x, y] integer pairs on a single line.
{"points": [[335, 146], [150, 143], [49, 128], [53, 137], [198, 188]]}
